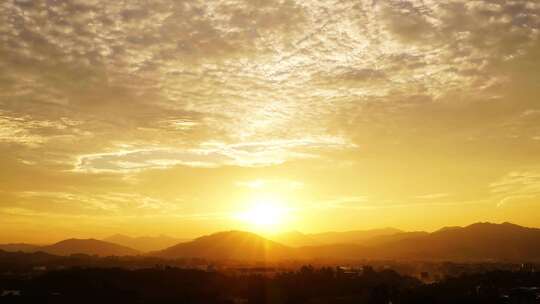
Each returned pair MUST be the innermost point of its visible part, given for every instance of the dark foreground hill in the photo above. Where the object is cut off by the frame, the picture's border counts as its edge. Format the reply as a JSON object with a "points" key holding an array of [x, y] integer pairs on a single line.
{"points": [[304, 285]]}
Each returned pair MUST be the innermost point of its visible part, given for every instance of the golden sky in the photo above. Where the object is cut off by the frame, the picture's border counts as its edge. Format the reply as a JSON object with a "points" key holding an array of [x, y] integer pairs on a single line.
{"points": [[149, 117]]}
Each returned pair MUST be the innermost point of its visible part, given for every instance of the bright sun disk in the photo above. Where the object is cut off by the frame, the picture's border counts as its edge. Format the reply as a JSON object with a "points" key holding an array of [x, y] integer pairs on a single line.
{"points": [[264, 214]]}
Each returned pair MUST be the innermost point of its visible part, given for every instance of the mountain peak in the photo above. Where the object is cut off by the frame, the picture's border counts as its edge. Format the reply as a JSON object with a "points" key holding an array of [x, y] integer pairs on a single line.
{"points": [[228, 245], [488, 225], [448, 228], [88, 246], [511, 224]]}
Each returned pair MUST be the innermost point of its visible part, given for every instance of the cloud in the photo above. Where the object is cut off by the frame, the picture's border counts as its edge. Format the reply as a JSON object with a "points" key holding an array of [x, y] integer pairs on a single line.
{"points": [[517, 187], [347, 202], [13, 130], [519, 181], [93, 204], [517, 199], [283, 68], [209, 155], [26, 131], [271, 184], [338, 90], [409, 20]]}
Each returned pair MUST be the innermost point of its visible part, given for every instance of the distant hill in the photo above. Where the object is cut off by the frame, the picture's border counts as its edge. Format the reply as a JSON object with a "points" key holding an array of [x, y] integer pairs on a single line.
{"points": [[19, 247], [230, 245], [88, 246], [145, 243], [448, 228], [333, 252], [355, 237], [480, 241], [476, 242], [386, 239], [297, 239]]}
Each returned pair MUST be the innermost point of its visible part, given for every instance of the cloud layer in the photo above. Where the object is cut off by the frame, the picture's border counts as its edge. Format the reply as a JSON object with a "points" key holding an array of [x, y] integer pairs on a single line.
{"points": [[406, 100]]}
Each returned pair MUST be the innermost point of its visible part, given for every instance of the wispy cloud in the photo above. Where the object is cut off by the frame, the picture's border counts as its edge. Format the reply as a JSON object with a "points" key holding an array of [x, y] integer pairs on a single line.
{"points": [[105, 203], [208, 155], [515, 187]]}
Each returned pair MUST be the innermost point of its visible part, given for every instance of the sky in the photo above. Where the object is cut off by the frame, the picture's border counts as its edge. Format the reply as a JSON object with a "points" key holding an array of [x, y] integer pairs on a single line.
{"points": [[175, 117]]}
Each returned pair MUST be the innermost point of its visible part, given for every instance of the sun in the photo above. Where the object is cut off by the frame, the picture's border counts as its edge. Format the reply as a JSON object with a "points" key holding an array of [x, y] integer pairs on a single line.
{"points": [[264, 214]]}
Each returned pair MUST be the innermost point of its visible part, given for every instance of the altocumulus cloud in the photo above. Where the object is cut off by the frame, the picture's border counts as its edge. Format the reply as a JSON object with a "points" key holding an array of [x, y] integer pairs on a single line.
{"points": [[90, 88]]}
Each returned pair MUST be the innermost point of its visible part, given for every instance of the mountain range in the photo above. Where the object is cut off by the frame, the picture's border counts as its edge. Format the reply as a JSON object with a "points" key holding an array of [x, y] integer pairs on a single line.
{"points": [[298, 239], [88, 246], [19, 247], [476, 242], [480, 241], [74, 246]]}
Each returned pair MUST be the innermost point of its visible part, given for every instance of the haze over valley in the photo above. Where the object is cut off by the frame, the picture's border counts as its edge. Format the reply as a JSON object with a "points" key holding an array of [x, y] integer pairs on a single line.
{"points": [[479, 242]]}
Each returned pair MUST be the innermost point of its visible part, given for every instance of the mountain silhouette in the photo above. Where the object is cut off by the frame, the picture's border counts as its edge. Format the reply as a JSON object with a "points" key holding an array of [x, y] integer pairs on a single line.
{"points": [[19, 247], [230, 245], [334, 251], [390, 238], [144, 243], [476, 242], [88, 246], [298, 239], [479, 241]]}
